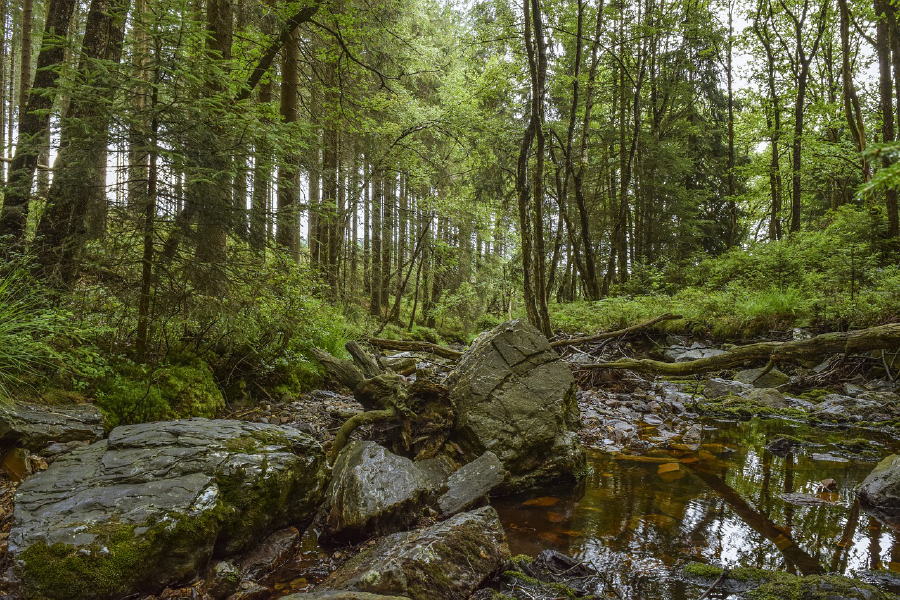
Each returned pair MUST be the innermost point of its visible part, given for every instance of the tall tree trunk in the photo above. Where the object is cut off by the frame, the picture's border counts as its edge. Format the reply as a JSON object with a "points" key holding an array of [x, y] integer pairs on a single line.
{"points": [[314, 173], [35, 120], [851, 101], [884, 13], [377, 240], [77, 182], [262, 174], [388, 186], [287, 235]]}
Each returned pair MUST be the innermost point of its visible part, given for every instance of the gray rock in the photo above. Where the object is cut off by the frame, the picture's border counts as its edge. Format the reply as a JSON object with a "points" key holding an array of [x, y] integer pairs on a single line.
{"points": [[693, 435], [251, 591], [682, 354], [223, 581], [825, 457], [652, 420], [36, 426], [772, 379], [373, 492], [881, 488], [438, 469], [851, 389], [471, 483], [268, 555], [446, 561], [717, 387], [515, 397], [149, 506], [768, 397]]}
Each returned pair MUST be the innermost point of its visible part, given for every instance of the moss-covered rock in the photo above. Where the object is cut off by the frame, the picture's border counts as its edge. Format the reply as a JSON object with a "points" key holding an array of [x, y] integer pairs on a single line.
{"points": [[446, 561], [152, 504]]}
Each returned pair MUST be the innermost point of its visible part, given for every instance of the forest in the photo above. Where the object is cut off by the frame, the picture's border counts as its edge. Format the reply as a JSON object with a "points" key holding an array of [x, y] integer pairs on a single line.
{"points": [[239, 182], [217, 217]]}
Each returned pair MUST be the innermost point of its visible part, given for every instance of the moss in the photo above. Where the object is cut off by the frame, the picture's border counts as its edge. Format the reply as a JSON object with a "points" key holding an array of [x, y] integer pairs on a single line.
{"points": [[784, 586], [559, 590], [816, 394], [190, 390], [243, 443], [743, 408], [702, 570], [119, 562]]}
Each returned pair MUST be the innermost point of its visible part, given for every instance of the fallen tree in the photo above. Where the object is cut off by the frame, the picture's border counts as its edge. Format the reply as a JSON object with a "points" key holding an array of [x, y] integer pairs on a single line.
{"points": [[421, 408], [411, 346], [605, 335], [883, 337]]}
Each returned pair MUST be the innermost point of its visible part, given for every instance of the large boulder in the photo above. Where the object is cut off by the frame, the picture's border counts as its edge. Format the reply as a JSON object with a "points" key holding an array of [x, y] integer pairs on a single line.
{"points": [[471, 483], [446, 561], [36, 426], [151, 505], [881, 489], [515, 397], [373, 492]]}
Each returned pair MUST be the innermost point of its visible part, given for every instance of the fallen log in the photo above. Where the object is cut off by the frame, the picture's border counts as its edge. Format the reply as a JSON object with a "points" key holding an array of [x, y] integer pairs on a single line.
{"points": [[411, 346], [612, 334], [883, 337]]}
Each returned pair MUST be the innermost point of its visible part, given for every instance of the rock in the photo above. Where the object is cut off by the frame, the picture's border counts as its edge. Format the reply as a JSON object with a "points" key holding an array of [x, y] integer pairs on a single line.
{"points": [[471, 483], [682, 354], [693, 435], [768, 397], [824, 457], [772, 379], [36, 426], [838, 407], [268, 555], [152, 504], [373, 492], [17, 464], [223, 581], [251, 591], [881, 488], [717, 387], [446, 561], [652, 420], [341, 595], [851, 389], [515, 397], [438, 469], [783, 446]]}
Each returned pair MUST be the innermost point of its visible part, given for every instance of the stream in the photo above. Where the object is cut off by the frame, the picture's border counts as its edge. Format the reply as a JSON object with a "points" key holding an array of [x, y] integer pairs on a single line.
{"points": [[640, 519]]}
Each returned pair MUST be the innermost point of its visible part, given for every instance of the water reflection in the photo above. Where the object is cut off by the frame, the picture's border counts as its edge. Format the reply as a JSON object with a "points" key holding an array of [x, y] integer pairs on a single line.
{"points": [[639, 519]]}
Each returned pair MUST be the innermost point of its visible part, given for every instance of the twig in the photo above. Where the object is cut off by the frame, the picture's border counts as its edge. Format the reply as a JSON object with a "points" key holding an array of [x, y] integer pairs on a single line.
{"points": [[715, 583]]}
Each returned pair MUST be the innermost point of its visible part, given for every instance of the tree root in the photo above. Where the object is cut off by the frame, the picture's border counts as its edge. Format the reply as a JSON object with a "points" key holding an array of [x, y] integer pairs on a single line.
{"points": [[354, 423]]}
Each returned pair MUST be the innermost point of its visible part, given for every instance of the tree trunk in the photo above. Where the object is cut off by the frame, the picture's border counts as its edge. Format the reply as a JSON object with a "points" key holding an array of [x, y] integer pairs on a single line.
{"points": [[287, 235], [83, 138], [262, 174], [884, 13], [35, 120]]}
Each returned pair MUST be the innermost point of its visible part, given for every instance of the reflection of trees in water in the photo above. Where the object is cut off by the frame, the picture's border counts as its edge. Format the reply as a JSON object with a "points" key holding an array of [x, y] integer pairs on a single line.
{"points": [[806, 564]]}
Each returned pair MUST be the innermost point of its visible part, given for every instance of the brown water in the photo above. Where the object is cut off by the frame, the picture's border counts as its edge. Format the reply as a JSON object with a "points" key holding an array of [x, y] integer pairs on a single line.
{"points": [[639, 520]]}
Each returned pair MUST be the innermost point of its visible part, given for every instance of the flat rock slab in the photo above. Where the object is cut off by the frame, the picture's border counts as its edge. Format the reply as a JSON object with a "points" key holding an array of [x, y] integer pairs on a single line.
{"points": [[471, 483], [446, 561], [754, 377], [373, 492], [152, 504], [515, 397], [36, 426]]}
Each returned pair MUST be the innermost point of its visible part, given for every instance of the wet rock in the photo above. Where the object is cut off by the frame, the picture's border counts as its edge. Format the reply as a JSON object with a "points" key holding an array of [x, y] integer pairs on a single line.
{"points": [[251, 591], [693, 435], [881, 488], [471, 483], [223, 581], [824, 457], [851, 389], [437, 469], [800, 499], [152, 504], [268, 555], [16, 463], [772, 379], [768, 397], [446, 561], [373, 492], [515, 397], [341, 595], [652, 420], [783, 446], [717, 387], [695, 352], [35, 426], [837, 407]]}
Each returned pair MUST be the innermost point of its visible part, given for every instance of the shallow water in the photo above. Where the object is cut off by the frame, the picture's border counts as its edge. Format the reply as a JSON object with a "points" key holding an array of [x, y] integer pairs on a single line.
{"points": [[641, 520]]}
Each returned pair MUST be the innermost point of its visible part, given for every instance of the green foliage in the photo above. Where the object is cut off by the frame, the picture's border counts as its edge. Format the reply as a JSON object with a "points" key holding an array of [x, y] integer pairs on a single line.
{"points": [[175, 391], [27, 330], [835, 278]]}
